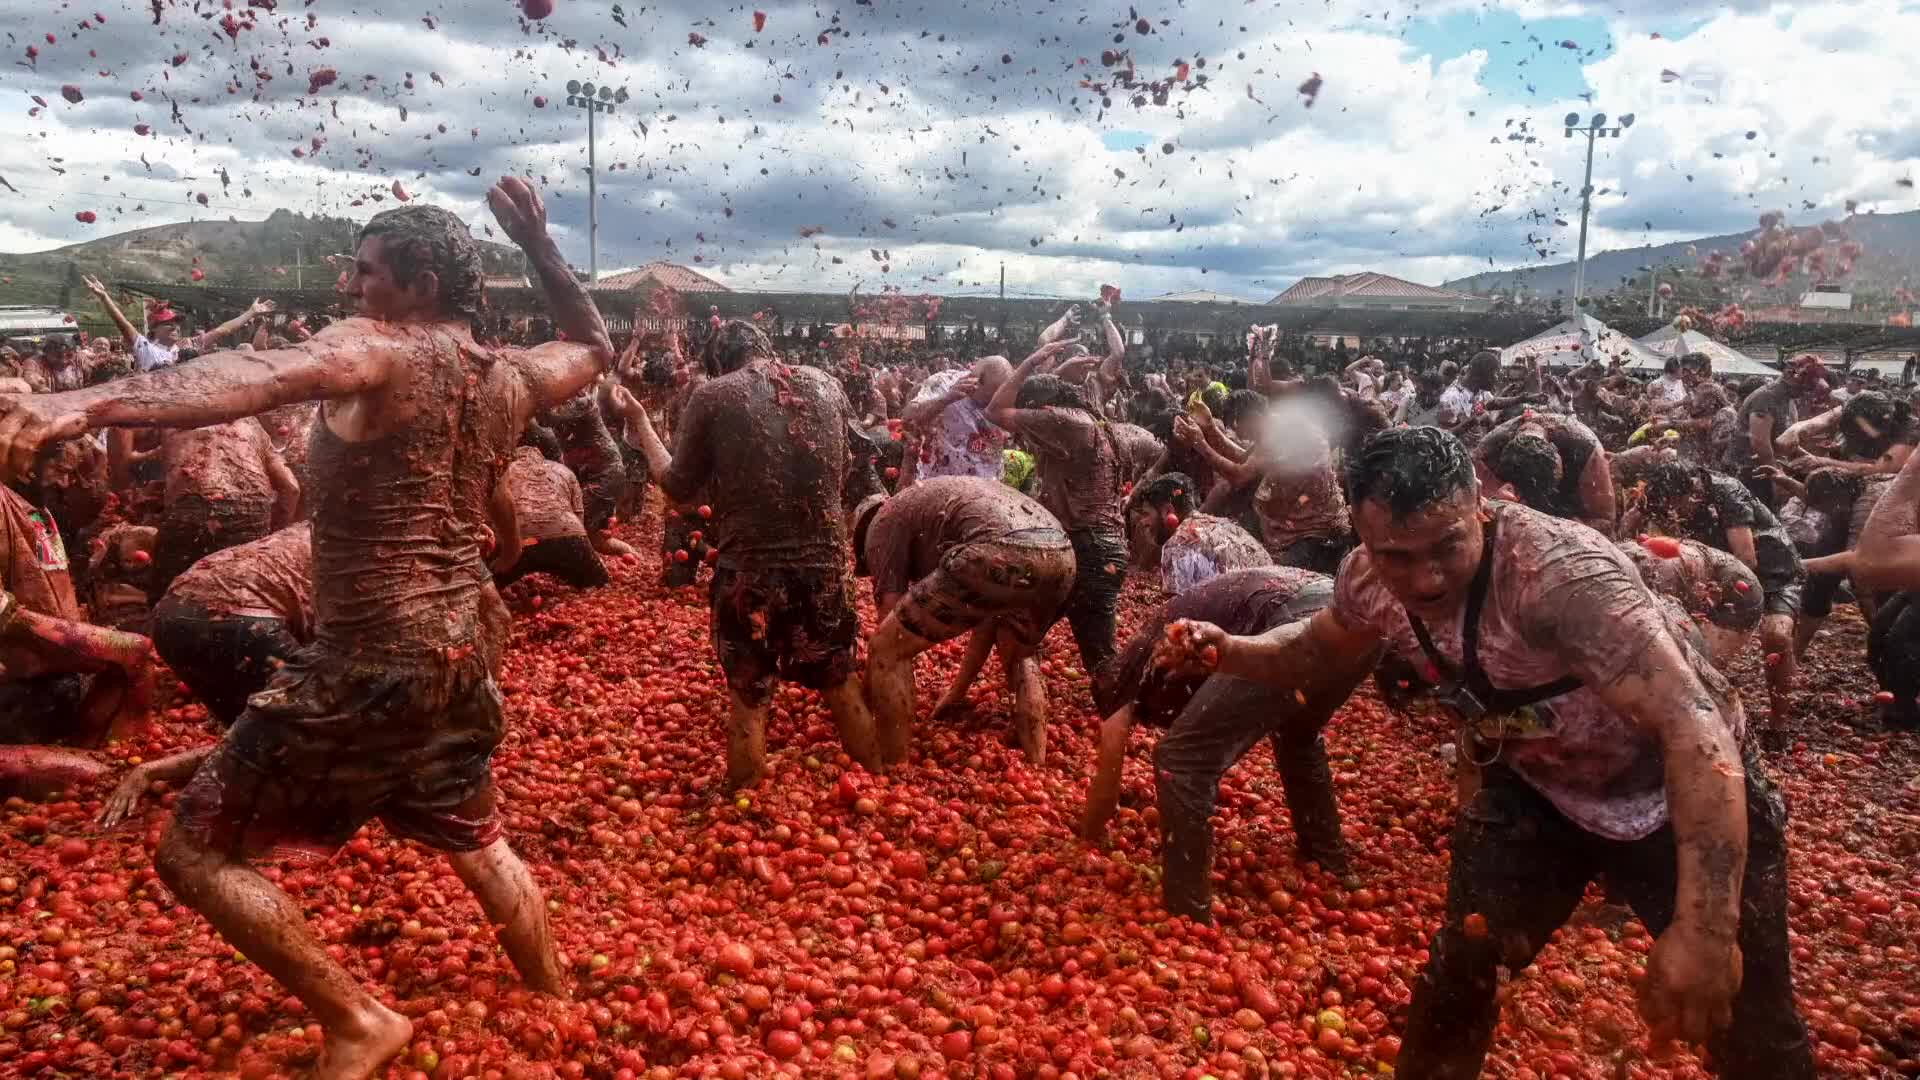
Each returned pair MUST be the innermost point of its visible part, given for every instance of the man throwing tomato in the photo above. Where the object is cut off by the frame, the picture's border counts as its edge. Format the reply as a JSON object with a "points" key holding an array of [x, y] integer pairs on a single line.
{"points": [[1606, 742]]}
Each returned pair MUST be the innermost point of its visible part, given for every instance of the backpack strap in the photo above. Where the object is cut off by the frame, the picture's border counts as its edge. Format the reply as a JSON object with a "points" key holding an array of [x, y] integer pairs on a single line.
{"points": [[1474, 678]]}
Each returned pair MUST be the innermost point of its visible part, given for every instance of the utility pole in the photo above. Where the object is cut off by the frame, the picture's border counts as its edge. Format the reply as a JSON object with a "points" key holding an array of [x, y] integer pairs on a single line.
{"points": [[582, 95], [1597, 128]]}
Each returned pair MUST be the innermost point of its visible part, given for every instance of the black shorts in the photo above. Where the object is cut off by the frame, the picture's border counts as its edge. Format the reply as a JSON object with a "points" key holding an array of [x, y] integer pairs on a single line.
{"points": [[223, 659], [796, 624], [333, 743], [43, 710], [1017, 583], [569, 558], [1783, 577], [1321, 554]]}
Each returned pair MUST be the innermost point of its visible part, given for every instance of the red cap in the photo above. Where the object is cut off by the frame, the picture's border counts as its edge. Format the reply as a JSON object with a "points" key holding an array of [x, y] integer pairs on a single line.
{"points": [[162, 315]]}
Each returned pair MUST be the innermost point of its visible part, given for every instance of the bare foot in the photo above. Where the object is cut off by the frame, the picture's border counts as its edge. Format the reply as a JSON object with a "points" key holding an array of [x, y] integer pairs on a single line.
{"points": [[358, 1053], [607, 545]]}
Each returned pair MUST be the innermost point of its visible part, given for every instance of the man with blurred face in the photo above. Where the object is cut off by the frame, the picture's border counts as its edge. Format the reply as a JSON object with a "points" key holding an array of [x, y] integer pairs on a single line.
{"points": [[392, 712], [1607, 744]]}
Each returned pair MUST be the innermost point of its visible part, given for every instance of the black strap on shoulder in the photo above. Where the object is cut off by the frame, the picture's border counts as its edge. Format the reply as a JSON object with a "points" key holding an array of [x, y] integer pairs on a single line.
{"points": [[1474, 678]]}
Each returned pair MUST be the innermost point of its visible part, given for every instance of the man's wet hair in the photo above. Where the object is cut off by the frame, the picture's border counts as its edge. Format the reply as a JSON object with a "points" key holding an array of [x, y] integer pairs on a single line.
{"points": [[422, 239], [1672, 366], [1242, 403], [1168, 491], [1409, 469], [657, 370], [1885, 415], [1049, 391], [1669, 481], [1148, 402], [1834, 487], [1532, 465], [734, 345], [1697, 361]]}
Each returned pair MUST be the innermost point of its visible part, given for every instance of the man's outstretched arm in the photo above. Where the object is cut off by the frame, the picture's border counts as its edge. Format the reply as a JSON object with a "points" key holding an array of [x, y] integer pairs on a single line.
{"points": [[238, 322], [1292, 656], [100, 293], [349, 357], [558, 370]]}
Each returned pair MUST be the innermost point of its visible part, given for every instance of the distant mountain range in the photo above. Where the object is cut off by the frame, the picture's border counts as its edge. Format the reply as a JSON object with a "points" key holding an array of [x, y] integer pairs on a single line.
{"points": [[1891, 260], [285, 250]]}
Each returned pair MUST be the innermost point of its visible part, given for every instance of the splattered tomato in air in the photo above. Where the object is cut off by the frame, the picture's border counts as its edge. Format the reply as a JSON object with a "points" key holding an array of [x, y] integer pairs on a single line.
{"points": [[199, 274], [400, 192], [540, 102], [85, 217], [536, 9], [759, 21], [320, 77], [72, 94]]}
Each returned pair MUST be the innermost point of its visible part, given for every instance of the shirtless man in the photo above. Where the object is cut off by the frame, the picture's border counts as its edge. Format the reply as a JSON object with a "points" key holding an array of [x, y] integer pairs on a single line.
{"points": [[550, 525], [956, 555], [1211, 722], [392, 712], [768, 443], [1614, 746], [225, 486], [1554, 464], [1080, 483], [225, 628]]}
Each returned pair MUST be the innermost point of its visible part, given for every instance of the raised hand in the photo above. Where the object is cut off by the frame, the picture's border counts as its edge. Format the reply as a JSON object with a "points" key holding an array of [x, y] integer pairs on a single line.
{"points": [[517, 206]]}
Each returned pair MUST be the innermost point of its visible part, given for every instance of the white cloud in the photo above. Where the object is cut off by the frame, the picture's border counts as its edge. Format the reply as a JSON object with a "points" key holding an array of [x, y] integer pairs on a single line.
{"points": [[1404, 163]]}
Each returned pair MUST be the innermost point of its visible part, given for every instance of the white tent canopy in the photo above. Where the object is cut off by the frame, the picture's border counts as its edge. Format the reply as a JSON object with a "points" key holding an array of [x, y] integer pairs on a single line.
{"points": [[1582, 340], [1669, 341]]}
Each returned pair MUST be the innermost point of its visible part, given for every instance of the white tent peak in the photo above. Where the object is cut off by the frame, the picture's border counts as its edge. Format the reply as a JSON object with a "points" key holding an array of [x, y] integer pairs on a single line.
{"points": [[1669, 341], [1582, 340]]}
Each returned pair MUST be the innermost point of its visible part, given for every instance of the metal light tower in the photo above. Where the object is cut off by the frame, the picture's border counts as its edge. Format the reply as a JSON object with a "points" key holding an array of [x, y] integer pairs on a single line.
{"points": [[1596, 129], [583, 95]]}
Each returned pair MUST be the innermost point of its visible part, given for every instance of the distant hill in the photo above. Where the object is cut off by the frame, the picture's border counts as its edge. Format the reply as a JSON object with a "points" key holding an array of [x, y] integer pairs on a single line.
{"points": [[283, 250], [1891, 260]]}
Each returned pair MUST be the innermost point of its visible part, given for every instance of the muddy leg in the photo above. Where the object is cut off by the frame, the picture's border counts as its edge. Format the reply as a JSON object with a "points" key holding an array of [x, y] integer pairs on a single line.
{"points": [[848, 704], [513, 903], [260, 921], [746, 743]]}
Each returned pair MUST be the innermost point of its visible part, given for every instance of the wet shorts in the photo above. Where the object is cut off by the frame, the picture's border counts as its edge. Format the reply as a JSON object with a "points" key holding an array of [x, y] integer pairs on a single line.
{"points": [[1782, 576], [796, 624], [1321, 554], [223, 659], [1019, 583], [333, 743], [569, 558], [43, 710]]}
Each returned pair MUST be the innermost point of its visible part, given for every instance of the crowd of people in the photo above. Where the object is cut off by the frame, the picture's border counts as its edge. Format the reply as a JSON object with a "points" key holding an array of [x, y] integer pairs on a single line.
{"points": [[309, 530]]}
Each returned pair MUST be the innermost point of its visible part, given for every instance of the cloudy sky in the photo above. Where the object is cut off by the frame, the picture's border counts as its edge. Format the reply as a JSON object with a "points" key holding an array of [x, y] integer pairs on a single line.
{"points": [[923, 144]]}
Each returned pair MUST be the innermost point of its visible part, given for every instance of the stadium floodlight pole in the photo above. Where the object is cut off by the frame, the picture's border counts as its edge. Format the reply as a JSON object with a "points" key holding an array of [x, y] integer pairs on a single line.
{"points": [[583, 95], [1595, 129]]}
